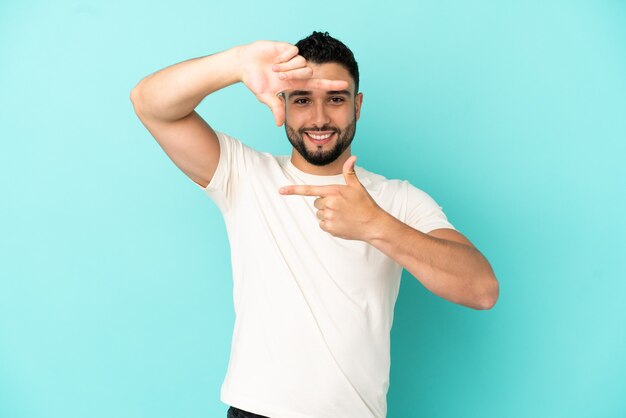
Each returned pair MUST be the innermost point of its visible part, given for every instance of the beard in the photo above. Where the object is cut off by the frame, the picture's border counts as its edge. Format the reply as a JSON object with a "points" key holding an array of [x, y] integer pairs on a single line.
{"points": [[320, 156]]}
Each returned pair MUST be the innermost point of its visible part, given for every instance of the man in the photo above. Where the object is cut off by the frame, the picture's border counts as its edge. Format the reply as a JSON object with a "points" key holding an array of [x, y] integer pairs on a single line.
{"points": [[318, 244]]}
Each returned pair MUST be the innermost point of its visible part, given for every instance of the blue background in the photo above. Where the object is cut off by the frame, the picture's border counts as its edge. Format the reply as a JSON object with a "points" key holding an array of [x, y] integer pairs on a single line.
{"points": [[115, 289]]}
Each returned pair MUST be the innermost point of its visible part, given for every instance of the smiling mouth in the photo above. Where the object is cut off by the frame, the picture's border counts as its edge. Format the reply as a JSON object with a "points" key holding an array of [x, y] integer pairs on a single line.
{"points": [[319, 138]]}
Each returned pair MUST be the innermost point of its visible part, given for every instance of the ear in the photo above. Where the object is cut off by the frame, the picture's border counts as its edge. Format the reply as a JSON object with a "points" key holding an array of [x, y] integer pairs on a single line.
{"points": [[358, 101]]}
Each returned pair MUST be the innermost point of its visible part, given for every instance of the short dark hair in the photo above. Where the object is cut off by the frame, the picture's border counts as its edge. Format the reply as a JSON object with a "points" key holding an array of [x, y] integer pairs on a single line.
{"points": [[320, 48]]}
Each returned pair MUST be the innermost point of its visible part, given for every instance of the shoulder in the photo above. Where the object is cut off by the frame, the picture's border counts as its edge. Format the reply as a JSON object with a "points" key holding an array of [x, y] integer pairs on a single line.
{"points": [[397, 190], [238, 150], [229, 143], [381, 185], [376, 182]]}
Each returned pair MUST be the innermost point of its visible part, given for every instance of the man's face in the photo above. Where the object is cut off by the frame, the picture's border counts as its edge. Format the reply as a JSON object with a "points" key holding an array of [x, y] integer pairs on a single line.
{"points": [[321, 124]]}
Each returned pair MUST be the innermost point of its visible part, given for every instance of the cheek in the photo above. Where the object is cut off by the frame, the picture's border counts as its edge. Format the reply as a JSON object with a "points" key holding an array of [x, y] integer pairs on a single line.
{"points": [[344, 118], [294, 118]]}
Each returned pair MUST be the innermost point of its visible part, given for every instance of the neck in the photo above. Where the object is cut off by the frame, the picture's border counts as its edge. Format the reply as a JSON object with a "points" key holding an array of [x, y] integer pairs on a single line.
{"points": [[332, 169]]}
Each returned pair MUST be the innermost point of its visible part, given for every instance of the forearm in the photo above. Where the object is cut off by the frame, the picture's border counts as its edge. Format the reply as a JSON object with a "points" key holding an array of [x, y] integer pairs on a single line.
{"points": [[174, 92], [452, 270]]}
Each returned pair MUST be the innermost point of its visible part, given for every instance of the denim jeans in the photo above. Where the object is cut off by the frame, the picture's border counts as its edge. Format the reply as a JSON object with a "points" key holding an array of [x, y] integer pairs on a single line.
{"points": [[238, 413]]}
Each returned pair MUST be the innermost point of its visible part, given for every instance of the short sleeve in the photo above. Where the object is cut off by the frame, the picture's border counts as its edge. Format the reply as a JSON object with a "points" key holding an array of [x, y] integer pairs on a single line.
{"points": [[231, 168], [423, 213]]}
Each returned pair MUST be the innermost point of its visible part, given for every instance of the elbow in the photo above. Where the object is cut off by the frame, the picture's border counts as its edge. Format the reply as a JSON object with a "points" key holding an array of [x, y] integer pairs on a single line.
{"points": [[489, 295], [137, 101], [135, 96]]}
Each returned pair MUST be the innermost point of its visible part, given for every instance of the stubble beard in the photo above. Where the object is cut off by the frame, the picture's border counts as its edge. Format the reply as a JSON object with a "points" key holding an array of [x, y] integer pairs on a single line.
{"points": [[321, 157]]}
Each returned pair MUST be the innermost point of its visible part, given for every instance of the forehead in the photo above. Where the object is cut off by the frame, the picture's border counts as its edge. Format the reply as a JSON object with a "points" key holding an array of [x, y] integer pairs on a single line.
{"points": [[331, 71]]}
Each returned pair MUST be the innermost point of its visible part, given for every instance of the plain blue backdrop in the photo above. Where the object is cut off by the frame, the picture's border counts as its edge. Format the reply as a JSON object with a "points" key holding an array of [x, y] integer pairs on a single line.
{"points": [[115, 288]]}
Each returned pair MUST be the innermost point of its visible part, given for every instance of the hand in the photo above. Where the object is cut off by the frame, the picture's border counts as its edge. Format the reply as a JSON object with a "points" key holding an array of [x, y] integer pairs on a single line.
{"points": [[347, 212], [269, 68]]}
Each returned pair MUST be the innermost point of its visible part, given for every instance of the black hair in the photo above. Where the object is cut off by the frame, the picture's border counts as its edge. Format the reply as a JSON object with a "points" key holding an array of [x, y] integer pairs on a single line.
{"points": [[320, 48]]}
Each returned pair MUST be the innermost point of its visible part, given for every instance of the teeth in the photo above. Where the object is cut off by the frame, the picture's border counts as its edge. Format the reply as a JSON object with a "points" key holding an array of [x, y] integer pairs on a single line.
{"points": [[320, 137]]}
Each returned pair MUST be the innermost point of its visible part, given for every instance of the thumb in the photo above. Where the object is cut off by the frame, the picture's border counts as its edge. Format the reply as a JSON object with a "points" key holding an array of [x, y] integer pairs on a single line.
{"points": [[348, 171], [276, 105]]}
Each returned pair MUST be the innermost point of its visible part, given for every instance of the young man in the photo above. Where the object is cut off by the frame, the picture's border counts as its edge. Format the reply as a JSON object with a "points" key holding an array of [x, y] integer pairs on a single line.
{"points": [[318, 244]]}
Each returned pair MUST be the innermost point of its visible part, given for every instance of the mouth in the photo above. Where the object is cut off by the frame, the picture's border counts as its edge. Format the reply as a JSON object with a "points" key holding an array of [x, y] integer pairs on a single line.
{"points": [[320, 137]]}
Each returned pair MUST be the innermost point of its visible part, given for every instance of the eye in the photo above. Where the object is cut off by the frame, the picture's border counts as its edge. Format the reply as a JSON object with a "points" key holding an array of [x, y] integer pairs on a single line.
{"points": [[337, 100], [301, 101]]}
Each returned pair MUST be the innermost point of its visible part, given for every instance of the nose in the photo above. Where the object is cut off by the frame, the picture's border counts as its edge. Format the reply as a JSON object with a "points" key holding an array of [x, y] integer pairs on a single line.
{"points": [[320, 116]]}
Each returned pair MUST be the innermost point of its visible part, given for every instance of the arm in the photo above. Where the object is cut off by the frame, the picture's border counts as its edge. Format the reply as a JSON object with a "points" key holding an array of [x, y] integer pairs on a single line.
{"points": [[444, 261], [165, 101]]}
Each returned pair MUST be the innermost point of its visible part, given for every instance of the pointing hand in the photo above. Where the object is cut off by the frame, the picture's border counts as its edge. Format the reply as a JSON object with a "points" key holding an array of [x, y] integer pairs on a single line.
{"points": [[347, 212]]}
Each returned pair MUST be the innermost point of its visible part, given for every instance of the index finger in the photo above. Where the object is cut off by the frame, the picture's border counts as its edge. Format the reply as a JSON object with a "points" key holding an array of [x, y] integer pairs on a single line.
{"points": [[300, 80], [325, 84], [304, 190]]}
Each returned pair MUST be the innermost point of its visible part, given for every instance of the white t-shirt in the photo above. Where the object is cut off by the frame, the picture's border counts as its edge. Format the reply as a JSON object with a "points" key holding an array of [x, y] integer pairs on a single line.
{"points": [[313, 312]]}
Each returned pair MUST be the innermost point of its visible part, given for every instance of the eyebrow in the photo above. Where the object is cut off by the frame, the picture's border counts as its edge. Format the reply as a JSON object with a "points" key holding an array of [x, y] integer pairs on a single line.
{"points": [[338, 92], [329, 93]]}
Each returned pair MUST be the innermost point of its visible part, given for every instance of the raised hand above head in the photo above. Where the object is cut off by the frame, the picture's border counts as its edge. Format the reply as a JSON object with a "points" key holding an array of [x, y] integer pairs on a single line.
{"points": [[269, 68]]}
